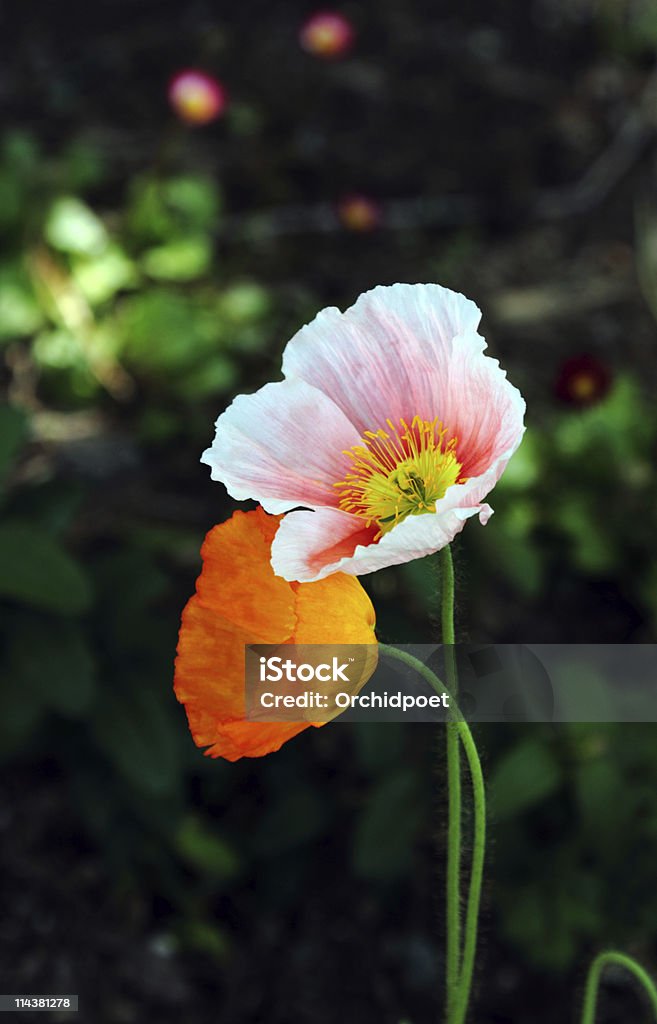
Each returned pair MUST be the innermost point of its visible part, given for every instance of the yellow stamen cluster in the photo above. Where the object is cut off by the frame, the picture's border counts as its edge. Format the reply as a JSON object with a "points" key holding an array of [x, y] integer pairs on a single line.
{"points": [[399, 472]]}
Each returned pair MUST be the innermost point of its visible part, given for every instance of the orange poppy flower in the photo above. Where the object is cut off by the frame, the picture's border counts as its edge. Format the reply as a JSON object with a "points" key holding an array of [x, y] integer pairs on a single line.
{"points": [[239, 601]]}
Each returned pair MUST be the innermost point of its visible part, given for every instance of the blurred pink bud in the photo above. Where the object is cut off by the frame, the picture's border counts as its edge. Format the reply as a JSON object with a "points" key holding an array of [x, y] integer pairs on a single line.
{"points": [[197, 98], [327, 34], [359, 213]]}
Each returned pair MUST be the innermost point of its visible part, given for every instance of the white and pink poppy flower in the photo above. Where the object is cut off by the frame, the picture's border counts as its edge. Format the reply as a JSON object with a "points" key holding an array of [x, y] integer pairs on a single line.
{"points": [[390, 428]]}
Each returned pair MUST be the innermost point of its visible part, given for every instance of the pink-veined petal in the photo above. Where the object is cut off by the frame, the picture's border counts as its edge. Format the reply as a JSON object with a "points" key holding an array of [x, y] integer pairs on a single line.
{"points": [[412, 350], [282, 446], [313, 540], [388, 356], [483, 411], [312, 545]]}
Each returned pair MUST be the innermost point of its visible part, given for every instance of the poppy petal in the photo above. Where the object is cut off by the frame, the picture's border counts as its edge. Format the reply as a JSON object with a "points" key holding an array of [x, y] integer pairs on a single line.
{"points": [[282, 446], [239, 601]]}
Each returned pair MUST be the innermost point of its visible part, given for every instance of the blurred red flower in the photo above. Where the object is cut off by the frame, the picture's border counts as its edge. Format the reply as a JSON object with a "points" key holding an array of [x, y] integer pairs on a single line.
{"points": [[197, 98], [327, 34], [582, 380]]}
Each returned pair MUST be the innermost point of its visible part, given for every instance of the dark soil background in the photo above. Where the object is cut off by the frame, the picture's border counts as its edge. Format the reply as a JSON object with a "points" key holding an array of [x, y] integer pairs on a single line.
{"points": [[149, 271]]}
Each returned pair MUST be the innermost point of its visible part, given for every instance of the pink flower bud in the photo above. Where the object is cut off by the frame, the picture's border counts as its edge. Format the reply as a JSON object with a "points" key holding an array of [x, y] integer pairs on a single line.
{"points": [[197, 98], [327, 34]]}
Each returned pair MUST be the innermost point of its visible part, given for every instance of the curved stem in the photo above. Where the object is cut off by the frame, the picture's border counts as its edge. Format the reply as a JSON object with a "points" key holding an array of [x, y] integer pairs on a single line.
{"points": [[476, 875], [459, 1007], [611, 957], [453, 793]]}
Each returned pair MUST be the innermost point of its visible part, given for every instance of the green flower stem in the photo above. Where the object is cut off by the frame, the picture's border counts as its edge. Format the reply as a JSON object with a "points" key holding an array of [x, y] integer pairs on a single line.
{"points": [[459, 1006], [611, 957], [453, 792], [476, 874]]}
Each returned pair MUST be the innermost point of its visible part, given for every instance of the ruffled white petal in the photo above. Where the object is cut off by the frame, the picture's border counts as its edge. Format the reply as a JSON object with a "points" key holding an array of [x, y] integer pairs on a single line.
{"points": [[305, 547], [389, 355], [282, 446]]}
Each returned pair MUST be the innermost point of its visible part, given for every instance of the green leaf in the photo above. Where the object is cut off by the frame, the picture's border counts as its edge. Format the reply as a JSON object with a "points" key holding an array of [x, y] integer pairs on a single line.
{"points": [[20, 314], [37, 571], [524, 468], [518, 558], [599, 438], [58, 349], [165, 332], [84, 164], [13, 200], [244, 302], [595, 547], [526, 775], [138, 734], [183, 259], [599, 787], [214, 376], [72, 227], [53, 660], [13, 430], [388, 827], [194, 198], [206, 938], [204, 849], [147, 216], [100, 277], [20, 151], [585, 694], [548, 918], [535, 922], [160, 210]]}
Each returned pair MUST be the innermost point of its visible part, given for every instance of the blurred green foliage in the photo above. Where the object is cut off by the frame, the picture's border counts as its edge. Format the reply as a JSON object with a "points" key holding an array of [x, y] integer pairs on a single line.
{"points": [[582, 492], [584, 805], [127, 298], [112, 306]]}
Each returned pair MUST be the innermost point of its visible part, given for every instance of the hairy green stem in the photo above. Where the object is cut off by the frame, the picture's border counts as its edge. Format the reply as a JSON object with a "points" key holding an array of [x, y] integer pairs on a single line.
{"points": [[453, 965], [459, 1006], [609, 958], [476, 875]]}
